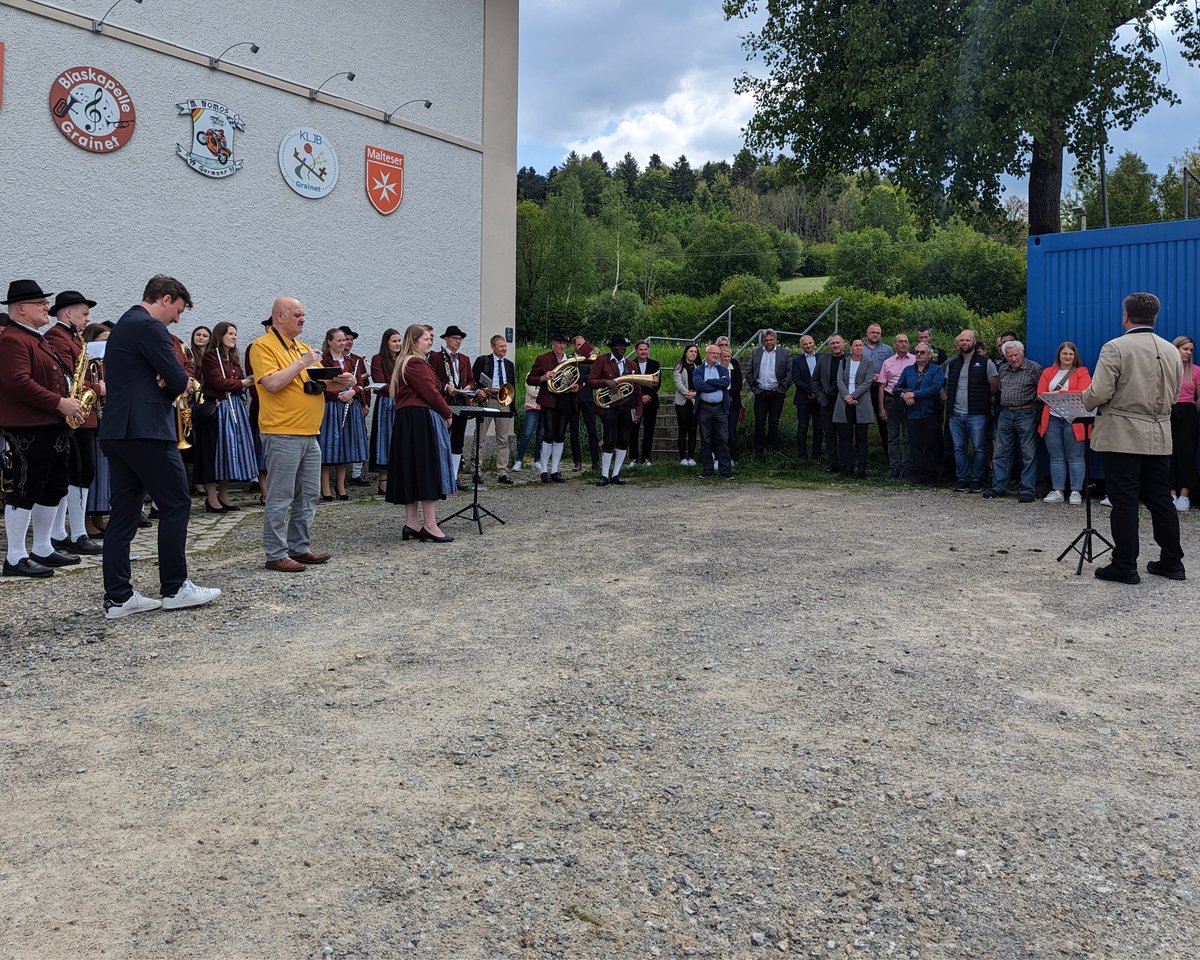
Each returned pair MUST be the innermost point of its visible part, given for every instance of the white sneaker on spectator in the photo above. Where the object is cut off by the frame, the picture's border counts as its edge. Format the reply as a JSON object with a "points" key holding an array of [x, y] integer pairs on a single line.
{"points": [[1054, 496], [1076, 499], [190, 595], [684, 462], [516, 467], [1106, 502], [1183, 504], [135, 604]]}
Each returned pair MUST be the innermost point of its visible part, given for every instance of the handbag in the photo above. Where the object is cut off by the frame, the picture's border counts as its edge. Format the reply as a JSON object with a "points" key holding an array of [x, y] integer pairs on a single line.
{"points": [[204, 412]]}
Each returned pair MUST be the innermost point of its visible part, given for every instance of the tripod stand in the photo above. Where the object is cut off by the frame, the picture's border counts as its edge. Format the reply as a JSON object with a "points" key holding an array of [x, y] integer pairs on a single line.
{"points": [[473, 511], [1082, 544]]}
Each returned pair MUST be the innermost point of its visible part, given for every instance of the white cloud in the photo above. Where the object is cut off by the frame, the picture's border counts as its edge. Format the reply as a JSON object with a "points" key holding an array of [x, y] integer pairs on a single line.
{"points": [[703, 119]]}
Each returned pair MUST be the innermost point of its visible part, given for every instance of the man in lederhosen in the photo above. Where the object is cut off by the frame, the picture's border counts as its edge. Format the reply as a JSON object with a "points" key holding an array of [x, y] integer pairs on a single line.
{"points": [[618, 418], [71, 311], [558, 409], [453, 372], [34, 409]]}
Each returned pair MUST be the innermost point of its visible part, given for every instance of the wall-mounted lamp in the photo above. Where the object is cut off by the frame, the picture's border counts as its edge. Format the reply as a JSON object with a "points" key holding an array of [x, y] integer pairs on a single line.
{"points": [[313, 91], [387, 117], [97, 24], [213, 61]]}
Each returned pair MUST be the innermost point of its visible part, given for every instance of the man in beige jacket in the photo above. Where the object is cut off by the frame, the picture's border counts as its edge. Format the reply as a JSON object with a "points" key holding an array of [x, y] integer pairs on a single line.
{"points": [[1134, 386]]}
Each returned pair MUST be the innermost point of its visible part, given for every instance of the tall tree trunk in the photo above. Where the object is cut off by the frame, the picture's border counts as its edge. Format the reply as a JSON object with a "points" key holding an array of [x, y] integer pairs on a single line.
{"points": [[1045, 182]]}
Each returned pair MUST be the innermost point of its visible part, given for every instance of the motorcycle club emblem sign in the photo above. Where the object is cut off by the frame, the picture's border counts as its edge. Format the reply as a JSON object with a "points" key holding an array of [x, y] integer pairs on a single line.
{"points": [[308, 162], [210, 149], [385, 179], [92, 109]]}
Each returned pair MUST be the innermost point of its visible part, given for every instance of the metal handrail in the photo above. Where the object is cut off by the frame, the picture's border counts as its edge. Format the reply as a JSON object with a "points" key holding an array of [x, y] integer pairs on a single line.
{"points": [[727, 313], [756, 338]]}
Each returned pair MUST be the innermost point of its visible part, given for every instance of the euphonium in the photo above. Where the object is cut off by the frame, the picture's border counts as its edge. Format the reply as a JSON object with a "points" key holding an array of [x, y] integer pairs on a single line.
{"points": [[183, 414], [87, 397], [566, 374], [604, 398]]}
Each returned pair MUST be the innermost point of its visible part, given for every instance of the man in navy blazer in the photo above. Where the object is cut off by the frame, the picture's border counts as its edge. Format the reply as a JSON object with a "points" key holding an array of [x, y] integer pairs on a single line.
{"points": [[137, 434], [711, 381], [804, 371]]}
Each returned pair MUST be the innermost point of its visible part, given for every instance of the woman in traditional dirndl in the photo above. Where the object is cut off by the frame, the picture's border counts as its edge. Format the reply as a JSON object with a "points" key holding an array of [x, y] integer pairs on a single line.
{"points": [[382, 365], [98, 508], [419, 461], [225, 384], [343, 429]]}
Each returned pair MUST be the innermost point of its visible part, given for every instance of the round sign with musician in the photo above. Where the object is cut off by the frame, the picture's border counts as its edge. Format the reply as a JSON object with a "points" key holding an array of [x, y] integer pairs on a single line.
{"points": [[92, 109]]}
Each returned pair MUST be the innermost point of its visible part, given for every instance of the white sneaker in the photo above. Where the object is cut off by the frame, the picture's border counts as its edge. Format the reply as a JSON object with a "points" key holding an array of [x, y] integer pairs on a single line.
{"points": [[135, 604], [1076, 499], [190, 595], [1183, 504], [516, 467], [539, 468], [692, 463], [1054, 496], [645, 463], [1106, 502]]}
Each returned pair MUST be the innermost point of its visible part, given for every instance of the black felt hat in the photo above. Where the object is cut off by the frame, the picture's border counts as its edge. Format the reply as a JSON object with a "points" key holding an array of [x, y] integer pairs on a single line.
{"points": [[69, 298], [453, 331], [559, 337], [20, 291], [619, 340], [350, 333]]}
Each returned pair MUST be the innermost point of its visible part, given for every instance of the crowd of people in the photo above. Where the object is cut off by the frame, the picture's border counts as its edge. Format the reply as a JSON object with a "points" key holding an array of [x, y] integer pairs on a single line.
{"points": [[95, 416]]}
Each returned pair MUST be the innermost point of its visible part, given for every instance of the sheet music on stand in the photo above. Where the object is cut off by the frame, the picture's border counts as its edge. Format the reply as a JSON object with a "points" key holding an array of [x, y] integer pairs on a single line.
{"points": [[1067, 404]]}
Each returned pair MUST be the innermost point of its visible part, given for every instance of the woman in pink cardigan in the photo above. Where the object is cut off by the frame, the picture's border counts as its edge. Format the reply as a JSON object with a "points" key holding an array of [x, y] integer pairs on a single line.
{"points": [[1064, 440]]}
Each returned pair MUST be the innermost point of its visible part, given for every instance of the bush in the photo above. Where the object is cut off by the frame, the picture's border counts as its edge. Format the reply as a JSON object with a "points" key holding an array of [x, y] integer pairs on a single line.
{"points": [[608, 313], [946, 315], [678, 315], [867, 259], [745, 290], [818, 260], [725, 248]]}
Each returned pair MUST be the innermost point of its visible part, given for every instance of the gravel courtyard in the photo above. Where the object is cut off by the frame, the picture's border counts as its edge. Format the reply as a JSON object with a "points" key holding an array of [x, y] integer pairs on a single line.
{"points": [[656, 721]]}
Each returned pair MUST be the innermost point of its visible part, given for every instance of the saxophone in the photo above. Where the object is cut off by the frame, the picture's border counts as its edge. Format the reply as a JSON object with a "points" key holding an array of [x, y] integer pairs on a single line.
{"points": [[87, 397]]}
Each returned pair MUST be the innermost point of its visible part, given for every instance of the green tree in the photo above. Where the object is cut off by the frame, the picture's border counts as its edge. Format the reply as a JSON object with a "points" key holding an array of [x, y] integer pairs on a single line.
{"points": [[683, 180], [656, 163], [866, 259], [745, 290], [654, 186], [886, 207], [572, 268], [535, 244], [612, 312], [1170, 186], [789, 248], [744, 166], [722, 249], [950, 97], [627, 171]]}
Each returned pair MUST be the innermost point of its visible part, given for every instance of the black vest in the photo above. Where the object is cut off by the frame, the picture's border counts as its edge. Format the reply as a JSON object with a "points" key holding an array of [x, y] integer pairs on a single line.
{"points": [[979, 391]]}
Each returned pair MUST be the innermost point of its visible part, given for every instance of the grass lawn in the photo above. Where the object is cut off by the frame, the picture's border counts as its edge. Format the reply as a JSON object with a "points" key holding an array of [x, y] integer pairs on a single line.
{"points": [[802, 284]]}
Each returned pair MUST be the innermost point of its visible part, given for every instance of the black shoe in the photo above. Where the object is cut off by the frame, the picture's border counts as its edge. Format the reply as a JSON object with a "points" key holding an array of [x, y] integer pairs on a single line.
{"points": [[26, 567], [833, 468], [960, 488], [1170, 571], [85, 546], [229, 507], [253, 487], [558, 478], [427, 537], [545, 478], [1117, 576], [1025, 498], [990, 493], [143, 523], [209, 508], [154, 514], [976, 488], [617, 479], [55, 559], [409, 533], [343, 496], [358, 482], [602, 482], [505, 479]]}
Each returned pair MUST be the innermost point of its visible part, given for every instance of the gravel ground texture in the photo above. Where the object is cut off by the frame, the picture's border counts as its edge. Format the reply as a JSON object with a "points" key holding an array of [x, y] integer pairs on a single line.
{"points": [[706, 719]]}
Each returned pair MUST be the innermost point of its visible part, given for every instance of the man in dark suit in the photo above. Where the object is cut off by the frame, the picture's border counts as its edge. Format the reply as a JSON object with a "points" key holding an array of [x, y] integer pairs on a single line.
{"points": [[826, 390], [643, 364], [452, 368], [137, 434], [500, 373], [767, 379], [804, 369]]}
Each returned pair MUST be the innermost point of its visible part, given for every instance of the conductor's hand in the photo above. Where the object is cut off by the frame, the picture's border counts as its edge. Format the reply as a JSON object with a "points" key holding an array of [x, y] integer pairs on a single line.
{"points": [[344, 380]]}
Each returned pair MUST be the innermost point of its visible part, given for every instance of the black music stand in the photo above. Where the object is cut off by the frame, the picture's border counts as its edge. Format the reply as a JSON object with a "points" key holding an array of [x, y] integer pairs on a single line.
{"points": [[1082, 544], [473, 511]]}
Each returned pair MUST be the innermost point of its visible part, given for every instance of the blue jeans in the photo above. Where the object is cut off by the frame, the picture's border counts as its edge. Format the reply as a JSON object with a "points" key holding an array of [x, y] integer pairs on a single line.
{"points": [[530, 430], [1015, 430], [964, 428], [1065, 452]]}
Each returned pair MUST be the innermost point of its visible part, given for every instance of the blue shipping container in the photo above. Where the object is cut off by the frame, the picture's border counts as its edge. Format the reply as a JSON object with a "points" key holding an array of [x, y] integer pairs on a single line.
{"points": [[1076, 282]]}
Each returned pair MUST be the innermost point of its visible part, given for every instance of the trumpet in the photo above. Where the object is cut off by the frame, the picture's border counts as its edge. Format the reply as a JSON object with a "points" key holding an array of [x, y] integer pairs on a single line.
{"points": [[183, 414], [87, 397], [566, 374], [604, 397]]}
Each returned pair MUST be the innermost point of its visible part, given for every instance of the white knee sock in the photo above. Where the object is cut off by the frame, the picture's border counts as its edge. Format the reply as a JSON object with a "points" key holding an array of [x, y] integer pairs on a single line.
{"points": [[77, 511], [455, 460], [16, 526], [43, 522], [617, 463], [58, 529], [605, 463], [556, 452], [356, 471]]}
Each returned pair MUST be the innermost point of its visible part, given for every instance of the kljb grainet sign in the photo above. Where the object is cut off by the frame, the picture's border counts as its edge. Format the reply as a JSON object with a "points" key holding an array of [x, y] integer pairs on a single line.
{"points": [[92, 109]]}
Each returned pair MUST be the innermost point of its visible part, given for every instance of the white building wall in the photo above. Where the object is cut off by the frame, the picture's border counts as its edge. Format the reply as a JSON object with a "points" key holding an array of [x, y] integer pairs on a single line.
{"points": [[103, 224]]}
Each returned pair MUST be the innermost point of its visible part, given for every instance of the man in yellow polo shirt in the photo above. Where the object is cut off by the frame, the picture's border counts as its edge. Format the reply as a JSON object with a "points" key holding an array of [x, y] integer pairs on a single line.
{"points": [[290, 407]]}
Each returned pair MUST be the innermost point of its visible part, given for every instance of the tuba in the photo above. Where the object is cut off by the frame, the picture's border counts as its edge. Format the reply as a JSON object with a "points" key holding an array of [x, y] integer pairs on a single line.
{"points": [[604, 398], [566, 374], [87, 397], [183, 413]]}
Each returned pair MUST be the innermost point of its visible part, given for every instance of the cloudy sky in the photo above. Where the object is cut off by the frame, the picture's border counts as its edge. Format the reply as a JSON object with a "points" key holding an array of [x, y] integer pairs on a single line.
{"points": [[657, 77]]}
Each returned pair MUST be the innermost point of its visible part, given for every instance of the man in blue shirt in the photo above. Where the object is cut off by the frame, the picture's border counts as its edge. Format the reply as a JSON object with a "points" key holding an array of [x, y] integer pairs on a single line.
{"points": [[711, 381]]}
